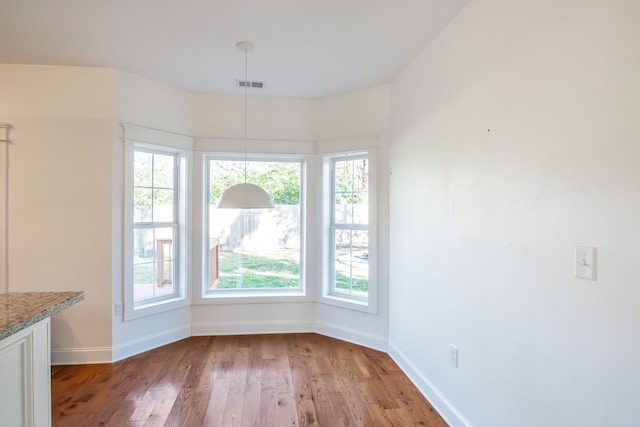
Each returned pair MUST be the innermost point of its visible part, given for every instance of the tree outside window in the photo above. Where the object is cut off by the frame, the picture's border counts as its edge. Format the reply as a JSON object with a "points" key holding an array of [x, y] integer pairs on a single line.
{"points": [[254, 249]]}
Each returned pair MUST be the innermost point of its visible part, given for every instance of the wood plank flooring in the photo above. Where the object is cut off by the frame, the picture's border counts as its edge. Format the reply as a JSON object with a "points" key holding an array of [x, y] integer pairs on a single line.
{"points": [[251, 380]]}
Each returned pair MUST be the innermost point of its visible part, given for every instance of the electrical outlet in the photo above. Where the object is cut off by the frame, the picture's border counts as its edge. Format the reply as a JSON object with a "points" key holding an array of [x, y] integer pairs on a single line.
{"points": [[118, 309], [453, 355]]}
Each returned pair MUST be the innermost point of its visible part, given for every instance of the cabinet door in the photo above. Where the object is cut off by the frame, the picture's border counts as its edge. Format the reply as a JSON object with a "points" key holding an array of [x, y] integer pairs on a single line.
{"points": [[25, 377]]}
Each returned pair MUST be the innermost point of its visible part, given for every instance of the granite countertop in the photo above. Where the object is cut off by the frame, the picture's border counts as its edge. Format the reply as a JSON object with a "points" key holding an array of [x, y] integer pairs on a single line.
{"points": [[19, 310]]}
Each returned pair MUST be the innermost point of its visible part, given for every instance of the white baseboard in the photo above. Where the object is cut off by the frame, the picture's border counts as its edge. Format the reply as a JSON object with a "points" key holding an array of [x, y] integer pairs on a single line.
{"points": [[86, 356], [331, 330], [249, 328], [446, 410], [80, 356], [149, 342], [376, 342], [77, 356]]}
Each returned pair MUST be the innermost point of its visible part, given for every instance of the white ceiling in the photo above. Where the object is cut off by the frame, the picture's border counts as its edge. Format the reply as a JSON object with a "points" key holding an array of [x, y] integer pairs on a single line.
{"points": [[302, 48]]}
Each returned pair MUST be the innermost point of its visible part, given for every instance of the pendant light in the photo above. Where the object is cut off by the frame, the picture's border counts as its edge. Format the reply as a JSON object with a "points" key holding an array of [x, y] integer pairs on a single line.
{"points": [[245, 195]]}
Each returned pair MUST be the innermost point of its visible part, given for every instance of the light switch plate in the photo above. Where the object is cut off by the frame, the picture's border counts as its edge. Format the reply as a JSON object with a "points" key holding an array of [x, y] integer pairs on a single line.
{"points": [[585, 262]]}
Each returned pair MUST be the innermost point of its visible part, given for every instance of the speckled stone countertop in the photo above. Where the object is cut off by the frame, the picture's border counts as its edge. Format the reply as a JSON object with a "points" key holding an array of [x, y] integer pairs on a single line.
{"points": [[19, 310]]}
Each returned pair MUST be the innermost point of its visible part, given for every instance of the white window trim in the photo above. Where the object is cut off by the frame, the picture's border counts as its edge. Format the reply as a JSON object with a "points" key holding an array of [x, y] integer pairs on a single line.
{"points": [[267, 292], [138, 137], [257, 150], [324, 293]]}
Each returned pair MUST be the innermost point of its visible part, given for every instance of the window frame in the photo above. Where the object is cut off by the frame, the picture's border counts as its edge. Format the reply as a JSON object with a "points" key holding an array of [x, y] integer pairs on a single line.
{"points": [[153, 225], [204, 295], [180, 147], [344, 226], [328, 294]]}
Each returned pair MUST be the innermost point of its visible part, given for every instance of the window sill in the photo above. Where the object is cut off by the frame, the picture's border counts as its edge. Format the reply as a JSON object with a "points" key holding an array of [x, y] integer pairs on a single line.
{"points": [[251, 297], [155, 307], [348, 303]]}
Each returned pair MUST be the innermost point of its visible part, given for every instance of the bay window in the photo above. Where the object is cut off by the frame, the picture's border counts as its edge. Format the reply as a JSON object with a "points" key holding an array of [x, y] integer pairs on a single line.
{"points": [[249, 254]]}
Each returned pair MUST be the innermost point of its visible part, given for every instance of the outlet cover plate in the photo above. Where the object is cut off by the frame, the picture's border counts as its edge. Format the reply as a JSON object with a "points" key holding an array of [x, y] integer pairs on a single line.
{"points": [[453, 355]]}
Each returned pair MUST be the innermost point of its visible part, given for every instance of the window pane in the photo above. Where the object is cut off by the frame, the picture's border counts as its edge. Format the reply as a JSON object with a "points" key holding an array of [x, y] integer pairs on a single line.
{"points": [[361, 208], [344, 175], [142, 200], [142, 169], [351, 190], [255, 248], [154, 182], [343, 212], [163, 171], [153, 263], [143, 279], [361, 175], [143, 247], [163, 210], [351, 261], [280, 179]]}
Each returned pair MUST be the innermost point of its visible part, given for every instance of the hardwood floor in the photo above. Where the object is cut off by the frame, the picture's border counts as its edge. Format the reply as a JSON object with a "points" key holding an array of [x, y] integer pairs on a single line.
{"points": [[252, 380]]}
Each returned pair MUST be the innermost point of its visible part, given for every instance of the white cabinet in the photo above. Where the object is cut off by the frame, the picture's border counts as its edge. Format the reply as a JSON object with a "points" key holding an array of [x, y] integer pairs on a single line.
{"points": [[25, 377]]}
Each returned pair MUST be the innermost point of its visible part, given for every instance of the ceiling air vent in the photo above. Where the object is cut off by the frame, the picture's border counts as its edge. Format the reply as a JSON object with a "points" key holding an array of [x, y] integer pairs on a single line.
{"points": [[249, 83]]}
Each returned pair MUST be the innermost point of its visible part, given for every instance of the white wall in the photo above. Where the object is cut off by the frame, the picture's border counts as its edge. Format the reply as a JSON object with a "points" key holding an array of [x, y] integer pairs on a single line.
{"points": [[154, 105], [281, 119], [66, 198], [69, 143], [514, 139], [355, 113], [274, 123], [353, 121], [60, 207]]}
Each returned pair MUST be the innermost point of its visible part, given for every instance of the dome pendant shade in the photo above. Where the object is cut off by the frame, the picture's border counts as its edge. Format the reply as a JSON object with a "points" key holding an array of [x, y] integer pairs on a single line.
{"points": [[245, 196]]}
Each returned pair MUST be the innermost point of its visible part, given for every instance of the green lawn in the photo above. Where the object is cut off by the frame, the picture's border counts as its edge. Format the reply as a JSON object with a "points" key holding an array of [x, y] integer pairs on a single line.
{"points": [[250, 271], [359, 285], [278, 269]]}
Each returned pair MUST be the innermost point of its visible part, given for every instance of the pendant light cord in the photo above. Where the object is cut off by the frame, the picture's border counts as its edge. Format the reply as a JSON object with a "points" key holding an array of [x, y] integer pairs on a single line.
{"points": [[246, 82]]}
